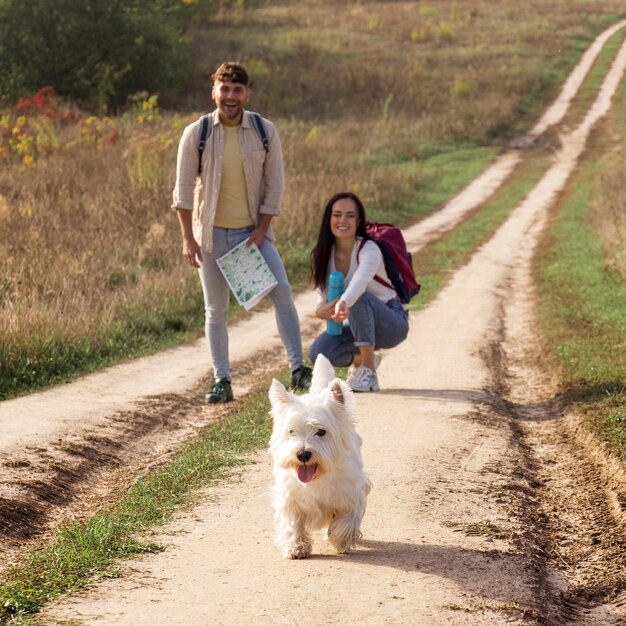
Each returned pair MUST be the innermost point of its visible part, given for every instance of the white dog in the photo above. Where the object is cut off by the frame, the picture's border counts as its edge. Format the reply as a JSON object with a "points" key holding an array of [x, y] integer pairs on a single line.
{"points": [[319, 481]]}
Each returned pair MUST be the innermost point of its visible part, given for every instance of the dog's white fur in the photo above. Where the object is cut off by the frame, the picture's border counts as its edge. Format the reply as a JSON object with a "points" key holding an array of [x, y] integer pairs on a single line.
{"points": [[316, 430]]}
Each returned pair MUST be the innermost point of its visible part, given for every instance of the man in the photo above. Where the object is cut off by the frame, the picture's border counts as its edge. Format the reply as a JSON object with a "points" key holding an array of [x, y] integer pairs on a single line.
{"points": [[239, 190]]}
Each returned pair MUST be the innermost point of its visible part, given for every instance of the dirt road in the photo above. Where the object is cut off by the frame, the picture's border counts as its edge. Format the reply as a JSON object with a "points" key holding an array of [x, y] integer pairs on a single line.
{"points": [[477, 515]]}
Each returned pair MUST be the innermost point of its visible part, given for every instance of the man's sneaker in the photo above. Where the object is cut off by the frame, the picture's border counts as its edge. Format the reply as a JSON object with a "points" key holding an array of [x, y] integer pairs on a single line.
{"points": [[363, 379], [301, 378], [221, 391]]}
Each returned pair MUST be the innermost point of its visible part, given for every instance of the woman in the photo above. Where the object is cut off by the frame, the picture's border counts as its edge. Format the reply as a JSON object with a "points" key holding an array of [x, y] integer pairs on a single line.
{"points": [[369, 308]]}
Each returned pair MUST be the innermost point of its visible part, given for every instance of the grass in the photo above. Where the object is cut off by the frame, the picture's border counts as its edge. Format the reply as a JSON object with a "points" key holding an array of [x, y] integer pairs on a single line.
{"points": [[584, 315], [487, 529], [443, 171], [55, 358], [582, 288]]}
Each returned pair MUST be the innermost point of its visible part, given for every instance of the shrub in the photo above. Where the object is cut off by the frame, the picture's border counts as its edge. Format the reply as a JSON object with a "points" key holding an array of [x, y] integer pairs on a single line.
{"points": [[93, 53]]}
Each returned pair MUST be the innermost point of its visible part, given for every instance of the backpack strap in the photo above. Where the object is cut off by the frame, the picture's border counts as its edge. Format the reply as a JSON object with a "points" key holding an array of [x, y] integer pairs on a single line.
{"points": [[206, 127], [205, 133], [260, 130], [377, 278]]}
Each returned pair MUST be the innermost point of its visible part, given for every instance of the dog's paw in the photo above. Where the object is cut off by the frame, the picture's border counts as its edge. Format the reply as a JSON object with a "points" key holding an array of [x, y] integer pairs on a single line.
{"points": [[300, 550], [341, 544], [344, 533]]}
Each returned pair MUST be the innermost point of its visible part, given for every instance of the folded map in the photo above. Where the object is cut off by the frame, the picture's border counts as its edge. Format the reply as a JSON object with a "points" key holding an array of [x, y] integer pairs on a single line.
{"points": [[247, 274]]}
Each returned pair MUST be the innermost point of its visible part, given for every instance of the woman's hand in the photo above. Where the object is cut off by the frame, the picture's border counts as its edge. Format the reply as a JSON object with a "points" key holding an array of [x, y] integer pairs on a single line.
{"points": [[341, 311], [337, 310], [325, 311]]}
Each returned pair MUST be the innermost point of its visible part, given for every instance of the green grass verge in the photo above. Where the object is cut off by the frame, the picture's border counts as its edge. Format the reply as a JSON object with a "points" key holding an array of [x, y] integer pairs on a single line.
{"points": [[583, 298], [45, 361], [90, 549], [586, 301], [583, 311]]}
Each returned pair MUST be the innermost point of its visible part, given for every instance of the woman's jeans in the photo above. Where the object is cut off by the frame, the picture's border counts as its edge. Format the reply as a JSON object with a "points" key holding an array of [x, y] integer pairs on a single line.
{"points": [[371, 322], [217, 297]]}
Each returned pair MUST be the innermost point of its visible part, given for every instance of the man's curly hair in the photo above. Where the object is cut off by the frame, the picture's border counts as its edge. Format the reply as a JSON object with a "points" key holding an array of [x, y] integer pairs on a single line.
{"points": [[232, 72]]}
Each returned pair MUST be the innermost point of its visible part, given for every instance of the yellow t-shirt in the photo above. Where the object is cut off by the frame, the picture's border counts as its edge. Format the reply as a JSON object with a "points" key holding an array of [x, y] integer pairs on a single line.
{"points": [[232, 204]]}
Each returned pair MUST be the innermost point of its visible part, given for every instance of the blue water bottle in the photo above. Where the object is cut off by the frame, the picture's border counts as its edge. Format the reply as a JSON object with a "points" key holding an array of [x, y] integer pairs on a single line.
{"points": [[335, 289]]}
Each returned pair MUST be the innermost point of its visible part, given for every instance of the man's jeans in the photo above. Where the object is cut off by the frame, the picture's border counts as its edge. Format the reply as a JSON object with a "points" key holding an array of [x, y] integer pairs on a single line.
{"points": [[217, 296], [371, 322]]}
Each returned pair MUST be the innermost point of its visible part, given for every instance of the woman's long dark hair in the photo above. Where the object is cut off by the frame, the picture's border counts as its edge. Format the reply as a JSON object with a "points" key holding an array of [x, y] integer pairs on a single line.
{"points": [[320, 256]]}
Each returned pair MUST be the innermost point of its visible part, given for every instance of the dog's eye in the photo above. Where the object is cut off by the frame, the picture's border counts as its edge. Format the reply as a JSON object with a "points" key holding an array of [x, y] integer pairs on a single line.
{"points": [[321, 432], [292, 432]]}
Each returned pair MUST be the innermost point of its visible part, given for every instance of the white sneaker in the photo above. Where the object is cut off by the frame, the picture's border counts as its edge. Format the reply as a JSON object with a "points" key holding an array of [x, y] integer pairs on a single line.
{"points": [[363, 379], [377, 359]]}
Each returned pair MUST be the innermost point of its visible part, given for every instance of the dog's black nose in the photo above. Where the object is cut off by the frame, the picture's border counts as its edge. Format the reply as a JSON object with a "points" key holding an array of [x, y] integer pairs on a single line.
{"points": [[304, 456]]}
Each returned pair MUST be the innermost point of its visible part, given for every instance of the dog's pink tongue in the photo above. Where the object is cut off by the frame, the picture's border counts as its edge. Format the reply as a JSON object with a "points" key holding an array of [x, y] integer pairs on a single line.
{"points": [[306, 473]]}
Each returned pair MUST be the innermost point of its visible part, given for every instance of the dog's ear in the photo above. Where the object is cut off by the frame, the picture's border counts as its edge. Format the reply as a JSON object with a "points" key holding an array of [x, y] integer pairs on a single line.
{"points": [[279, 396], [323, 373], [341, 403], [340, 392], [336, 392]]}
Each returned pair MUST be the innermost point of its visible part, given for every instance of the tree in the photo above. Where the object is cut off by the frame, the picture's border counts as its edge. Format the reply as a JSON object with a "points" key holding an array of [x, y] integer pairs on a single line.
{"points": [[93, 52]]}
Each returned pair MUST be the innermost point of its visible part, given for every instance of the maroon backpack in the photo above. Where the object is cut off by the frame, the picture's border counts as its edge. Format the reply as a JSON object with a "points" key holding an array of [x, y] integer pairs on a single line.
{"points": [[398, 260]]}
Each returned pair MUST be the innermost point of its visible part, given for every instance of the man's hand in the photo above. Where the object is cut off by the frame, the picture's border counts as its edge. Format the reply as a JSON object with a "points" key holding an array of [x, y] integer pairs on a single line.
{"points": [[256, 236], [191, 249], [192, 252]]}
